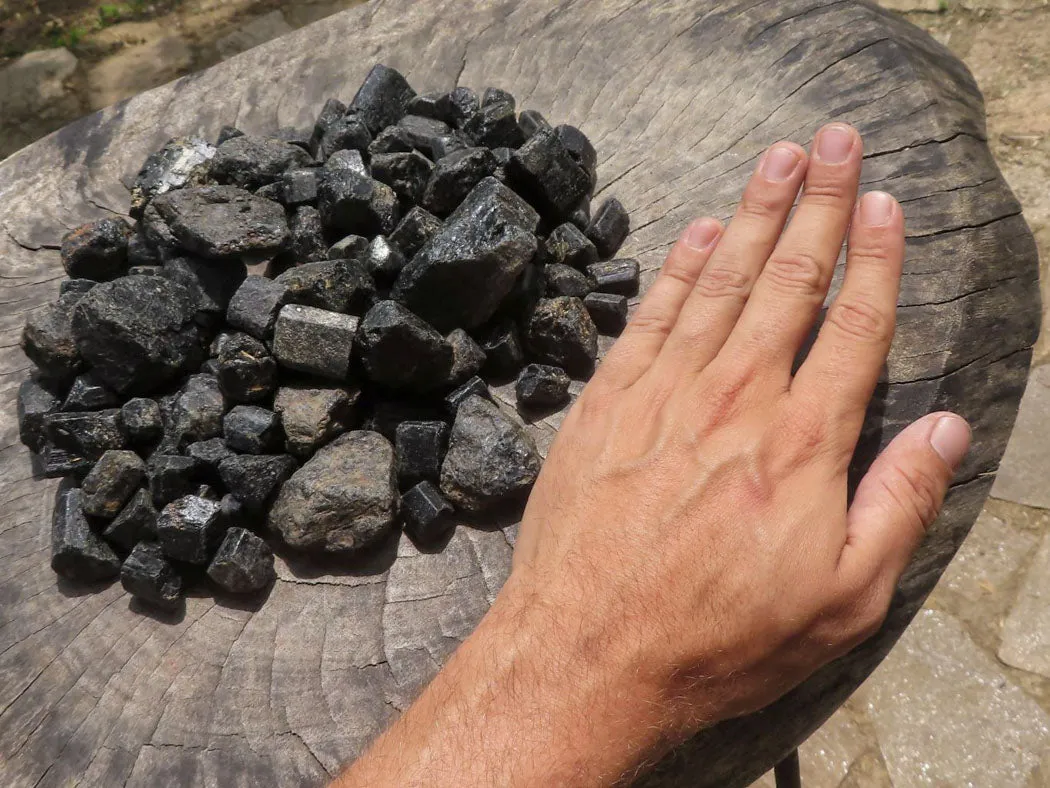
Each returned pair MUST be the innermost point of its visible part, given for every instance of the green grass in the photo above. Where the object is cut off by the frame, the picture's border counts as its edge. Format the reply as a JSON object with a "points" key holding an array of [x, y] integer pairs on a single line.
{"points": [[110, 15], [942, 6], [67, 38]]}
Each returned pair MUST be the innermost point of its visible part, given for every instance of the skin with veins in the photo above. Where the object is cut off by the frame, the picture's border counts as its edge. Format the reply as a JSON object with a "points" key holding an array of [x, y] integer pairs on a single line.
{"points": [[687, 554]]}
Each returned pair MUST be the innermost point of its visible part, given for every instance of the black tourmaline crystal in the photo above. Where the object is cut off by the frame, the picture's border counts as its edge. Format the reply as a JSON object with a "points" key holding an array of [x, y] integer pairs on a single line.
{"points": [[294, 336]]}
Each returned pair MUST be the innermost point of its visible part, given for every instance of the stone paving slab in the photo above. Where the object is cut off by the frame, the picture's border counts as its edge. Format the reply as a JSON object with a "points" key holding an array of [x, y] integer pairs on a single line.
{"points": [[945, 715], [1026, 633], [1024, 475]]}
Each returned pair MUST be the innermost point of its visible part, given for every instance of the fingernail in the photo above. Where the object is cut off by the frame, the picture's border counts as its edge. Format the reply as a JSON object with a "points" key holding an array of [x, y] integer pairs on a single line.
{"points": [[950, 438], [876, 209], [834, 143], [779, 162], [701, 233]]}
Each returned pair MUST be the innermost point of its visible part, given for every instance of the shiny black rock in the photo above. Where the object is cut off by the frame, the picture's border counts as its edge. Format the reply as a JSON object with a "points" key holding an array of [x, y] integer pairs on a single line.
{"points": [[420, 447], [243, 563], [619, 277], [399, 350], [334, 285], [562, 334], [246, 370], [255, 479], [136, 521], [495, 125], [171, 477], [308, 243], [86, 434], [190, 528], [541, 386], [406, 173], [111, 483], [455, 176], [149, 577], [255, 305], [608, 311], [351, 202], [382, 98], [76, 552], [97, 250], [562, 280], [220, 222], [424, 513], [35, 403], [460, 277], [567, 245], [49, 341], [249, 161], [252, 430], [418, 227], [142, 419], [467, 357], [609, 227], [545, 171]]}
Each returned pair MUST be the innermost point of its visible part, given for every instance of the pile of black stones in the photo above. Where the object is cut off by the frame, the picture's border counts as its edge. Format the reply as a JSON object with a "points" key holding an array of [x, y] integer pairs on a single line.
{"points": [[294, 341]]}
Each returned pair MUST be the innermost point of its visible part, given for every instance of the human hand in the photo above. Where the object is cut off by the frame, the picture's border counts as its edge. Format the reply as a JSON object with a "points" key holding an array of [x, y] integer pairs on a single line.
{"points": [[691, 523], [688, 553]]}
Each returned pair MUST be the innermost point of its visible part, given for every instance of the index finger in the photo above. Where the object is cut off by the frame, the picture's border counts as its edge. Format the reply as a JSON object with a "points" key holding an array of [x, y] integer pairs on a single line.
{"points": [[841, 372]]}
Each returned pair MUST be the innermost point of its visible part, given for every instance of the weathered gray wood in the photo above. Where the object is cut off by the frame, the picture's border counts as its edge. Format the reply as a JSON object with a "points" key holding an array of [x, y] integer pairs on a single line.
{"points": [[680, 98]]}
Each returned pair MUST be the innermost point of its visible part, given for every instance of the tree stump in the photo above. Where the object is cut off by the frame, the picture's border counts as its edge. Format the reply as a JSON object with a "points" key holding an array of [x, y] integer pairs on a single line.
{"points": [[680, 99]]}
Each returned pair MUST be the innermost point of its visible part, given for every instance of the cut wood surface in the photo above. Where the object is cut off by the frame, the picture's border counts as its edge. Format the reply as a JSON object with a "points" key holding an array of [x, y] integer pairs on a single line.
{"points": [[680, 99]]}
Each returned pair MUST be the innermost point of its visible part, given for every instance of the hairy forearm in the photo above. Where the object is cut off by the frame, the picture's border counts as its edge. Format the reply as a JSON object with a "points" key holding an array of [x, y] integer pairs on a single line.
{"points": [[531, 698]]}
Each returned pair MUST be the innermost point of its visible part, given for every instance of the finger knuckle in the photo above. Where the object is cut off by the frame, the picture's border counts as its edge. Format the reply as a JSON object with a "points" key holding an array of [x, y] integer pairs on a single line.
{"points": [[762, 205], [916, 492], [868, 618], [724, 282], [798, 272], [861, 320], [651, 322], [861, 609], [827, 193]]}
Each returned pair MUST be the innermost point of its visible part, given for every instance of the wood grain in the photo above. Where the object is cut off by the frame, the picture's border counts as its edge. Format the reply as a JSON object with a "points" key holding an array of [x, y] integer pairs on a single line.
{"points": [[680, 99]]}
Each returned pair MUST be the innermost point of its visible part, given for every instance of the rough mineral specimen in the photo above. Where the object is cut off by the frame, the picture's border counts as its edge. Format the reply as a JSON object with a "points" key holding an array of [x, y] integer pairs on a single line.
{"points": [[243, 563], [343, 499], [456, 106], [246, 372], [424, 511], [347, 133], [467, 357], [346, 160], [334, 285], [354, 203], [545, 171], [61, 462], [87, 393], [387, 413], [136, 521], [490, 457], [313, 416], [35, 403], [541, 386], [148, 576], [406, 173], [581, 150], [254, 479], [459, 278], [209, 454], [250, 162], [561, 280], [97, 250], [353, 247], [299, 187], [495, 125], [569, 246], [332, 111], [383, 98], [496, 96], [401, 351], [48, 338], [562, 334], [312, 340], [383, 260], [307, 234], [138, 332], [190, 528], [196, 412], [503, 353], [418, 227], [426, 106], [423, 133], [76, 552], [142, 419], [420, 448], [111, 482], [609, 228], [184, 161], [212, 286], [608, 311], [619, 277], [219, 222], [228, 133], [88, 434], [530, 122], [255, 305], [172, 476], [473, 387], [76, 287], [252, 430], [455, 176]]}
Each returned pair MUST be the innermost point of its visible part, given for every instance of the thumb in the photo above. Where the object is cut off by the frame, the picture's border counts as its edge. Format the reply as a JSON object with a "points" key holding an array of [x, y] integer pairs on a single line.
{"points": [[901, 494]]}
